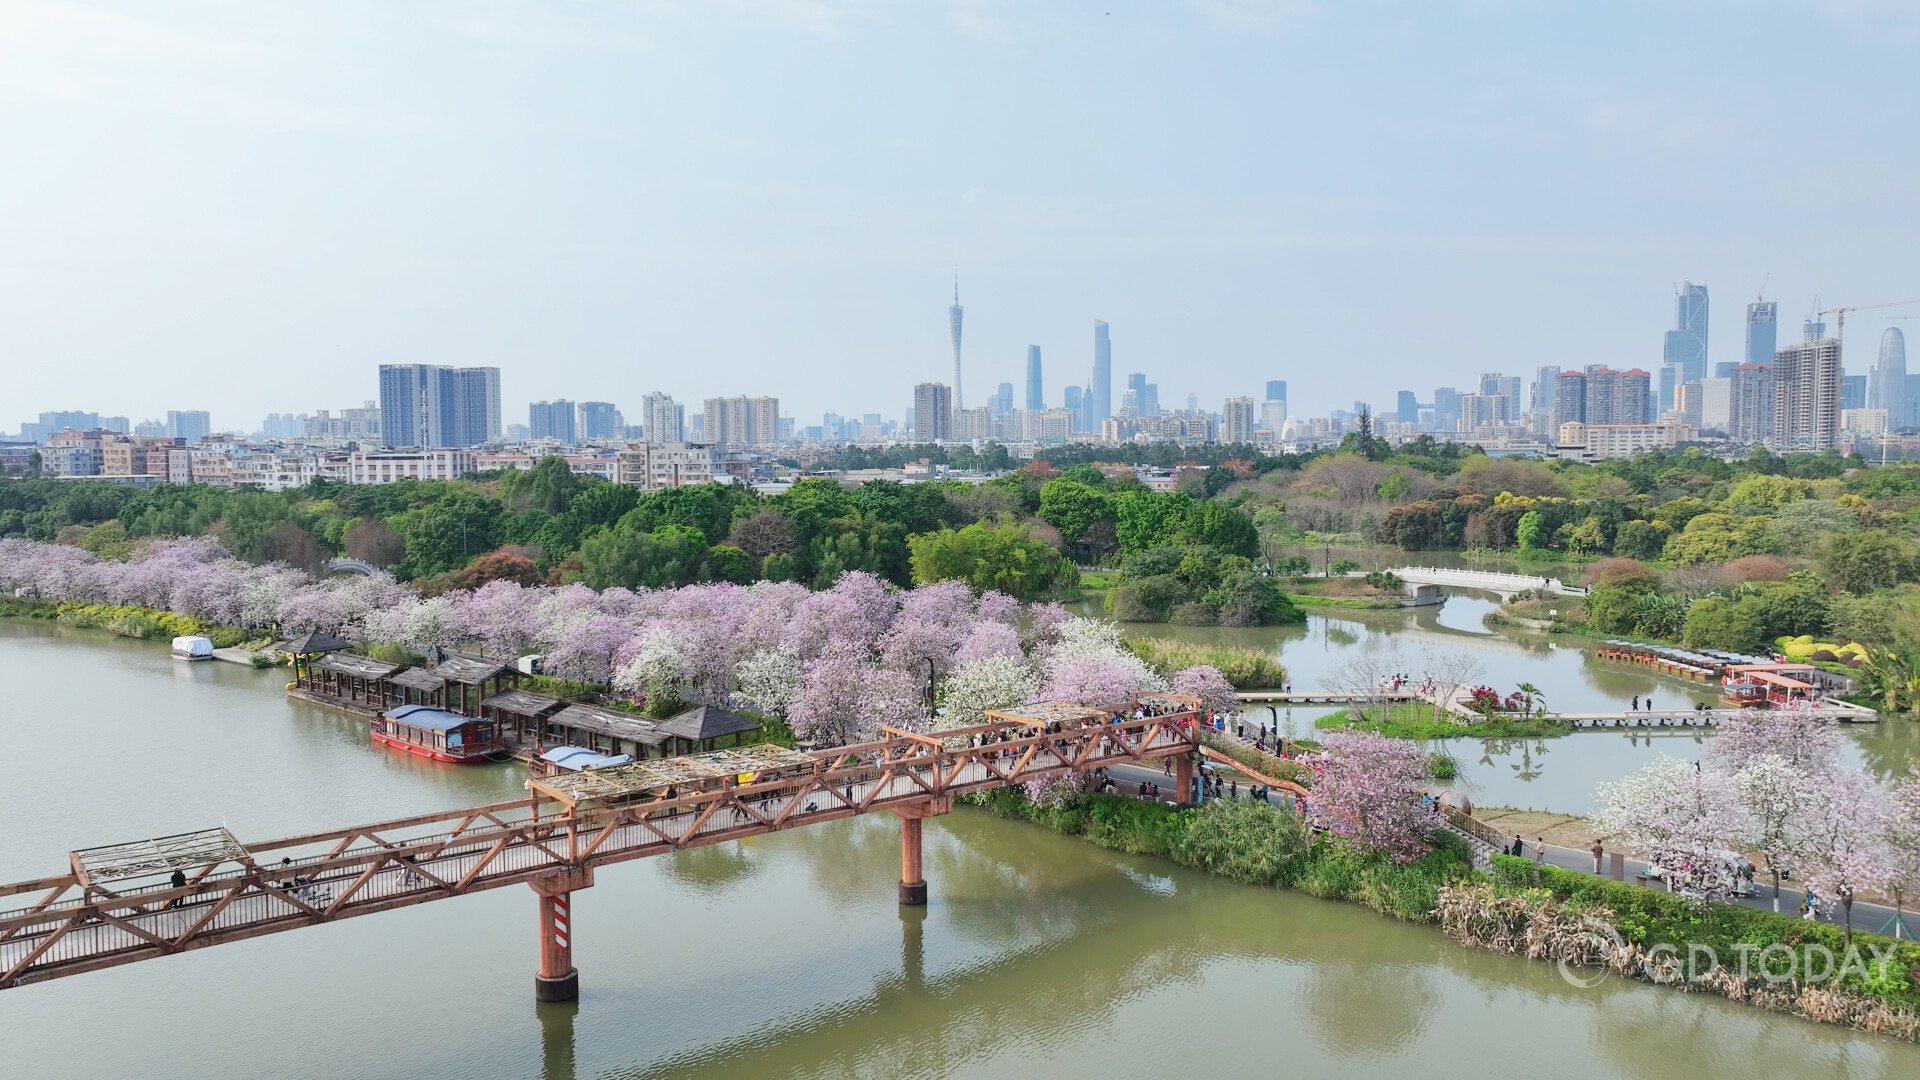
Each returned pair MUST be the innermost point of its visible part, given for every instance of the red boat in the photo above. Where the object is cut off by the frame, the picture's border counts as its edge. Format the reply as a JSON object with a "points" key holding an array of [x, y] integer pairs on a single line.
{"points": [[437, 734]]}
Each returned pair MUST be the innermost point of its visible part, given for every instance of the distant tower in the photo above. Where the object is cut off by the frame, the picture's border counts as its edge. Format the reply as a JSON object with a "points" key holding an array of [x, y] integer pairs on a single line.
{"points": [[1102, 385], [953, 320], [1035, 399]]}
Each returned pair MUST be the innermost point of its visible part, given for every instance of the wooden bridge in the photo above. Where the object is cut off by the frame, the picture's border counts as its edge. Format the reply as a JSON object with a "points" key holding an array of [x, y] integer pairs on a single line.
{"points": [[152, 898]]}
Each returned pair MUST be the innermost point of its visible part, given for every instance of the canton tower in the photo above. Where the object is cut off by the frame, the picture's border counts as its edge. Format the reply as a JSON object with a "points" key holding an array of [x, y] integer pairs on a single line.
{"points": [[953, 320]]}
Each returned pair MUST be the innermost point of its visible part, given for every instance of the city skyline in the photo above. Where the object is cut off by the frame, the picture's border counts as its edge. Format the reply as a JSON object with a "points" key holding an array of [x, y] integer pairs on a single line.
{"points": [[379, 223]]}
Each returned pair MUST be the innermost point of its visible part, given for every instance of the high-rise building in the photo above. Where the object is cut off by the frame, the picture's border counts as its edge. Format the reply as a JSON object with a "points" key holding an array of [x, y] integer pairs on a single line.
{"points": [[1498, 385], [551, 420], [428, 405], [1482, 410], [1602, 384], [1887, 386], [1686, 343], [1446, 408], [1003, 399], [1036, 399], [51, 422], [741, 421], [1570, 398], [1074, 402], [1102, 385], [1408, 411], [1853, 391], [1150, 400], [1276, 389], [191, 425], [1716, 405], [1236, 420], [1137, 386], [1763, 331], [953, 323], [1806, 393], [599, 420], [1632, 399], [663, 421], [1543, 386], [1688, 401], [1751, 404], [932, 413], [1273, 416]]}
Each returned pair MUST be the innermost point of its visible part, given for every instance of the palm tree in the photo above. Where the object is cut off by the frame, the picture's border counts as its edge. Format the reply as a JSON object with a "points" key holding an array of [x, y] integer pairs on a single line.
{"points": [[1531, 693]]}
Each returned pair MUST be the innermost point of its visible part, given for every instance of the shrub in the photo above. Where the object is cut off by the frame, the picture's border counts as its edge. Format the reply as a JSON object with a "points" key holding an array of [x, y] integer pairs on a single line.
{"points": [[1245, 668]]}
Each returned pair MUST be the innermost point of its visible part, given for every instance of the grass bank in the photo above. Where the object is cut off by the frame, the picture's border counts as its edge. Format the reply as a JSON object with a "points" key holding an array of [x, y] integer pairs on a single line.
{"points": [[1249, 843], [1424, 721], [1310, 600], [1245, 668], [147, 624]]}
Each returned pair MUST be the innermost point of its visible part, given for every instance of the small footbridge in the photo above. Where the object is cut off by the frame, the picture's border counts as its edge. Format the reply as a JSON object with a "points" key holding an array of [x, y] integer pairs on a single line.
{"points": [[1494, 580]]}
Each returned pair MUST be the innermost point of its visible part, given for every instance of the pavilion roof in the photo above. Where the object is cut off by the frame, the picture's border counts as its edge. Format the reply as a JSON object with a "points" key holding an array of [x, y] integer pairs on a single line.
{"points": [[642, 777], [468, 670], [415, 678], [611, 722], [522, 703], [363, 667], [704, 722], [311, 642], [142, 858]]}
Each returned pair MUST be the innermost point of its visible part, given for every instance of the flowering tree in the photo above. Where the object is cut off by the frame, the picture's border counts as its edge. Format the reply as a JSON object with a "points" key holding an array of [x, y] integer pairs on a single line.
{"points": [[1808, 744], [988, 639], [827, 711], [1205, 682], [1846, 843], [498, 616], [1773, 798], [1366, 792], [1681, 817], [659, 670], [994, 682], [771, 679], [1903, 843]]}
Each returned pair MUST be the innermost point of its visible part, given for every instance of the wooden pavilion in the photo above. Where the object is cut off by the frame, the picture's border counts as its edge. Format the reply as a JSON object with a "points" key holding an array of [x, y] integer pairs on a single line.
{"points": [[606, 731], [699, 727], [307, 646], [520, 711], [351, 680], [417, 686], [470, 680]]}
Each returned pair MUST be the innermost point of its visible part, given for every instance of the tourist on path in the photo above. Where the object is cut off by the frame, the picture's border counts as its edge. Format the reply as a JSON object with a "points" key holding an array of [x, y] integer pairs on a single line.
{"points": [[1597, 852]]}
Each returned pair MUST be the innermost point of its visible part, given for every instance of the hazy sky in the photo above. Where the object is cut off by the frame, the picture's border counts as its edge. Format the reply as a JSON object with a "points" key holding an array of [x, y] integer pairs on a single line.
{"points": [[247, 206]]}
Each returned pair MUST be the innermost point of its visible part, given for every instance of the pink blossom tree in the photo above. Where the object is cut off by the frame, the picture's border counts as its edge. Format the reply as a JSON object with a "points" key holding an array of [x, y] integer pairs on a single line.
{"points": [[1845, 829], [1681, 817], [1366, 792], [1808, 744], [1903, 844], [1774, 798], [1205, 682], [988, 639]]}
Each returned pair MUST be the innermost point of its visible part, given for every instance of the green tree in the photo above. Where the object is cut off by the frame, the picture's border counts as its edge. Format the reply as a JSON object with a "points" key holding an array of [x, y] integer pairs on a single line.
{"points": [[1072, 506], [667, 557], [444, 535], [1008, 558], [1530, 532], [1144, 518], [1861, 562], [728, 563], [1715, 622]]}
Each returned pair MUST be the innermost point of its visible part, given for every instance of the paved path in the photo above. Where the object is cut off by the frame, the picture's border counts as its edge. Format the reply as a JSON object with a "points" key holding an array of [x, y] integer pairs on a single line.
{"points": [[1483, 579]]}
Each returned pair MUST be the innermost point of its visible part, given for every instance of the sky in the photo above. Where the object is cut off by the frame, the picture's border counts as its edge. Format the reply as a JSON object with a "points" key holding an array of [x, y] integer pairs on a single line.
{"points": [[247, 206]]}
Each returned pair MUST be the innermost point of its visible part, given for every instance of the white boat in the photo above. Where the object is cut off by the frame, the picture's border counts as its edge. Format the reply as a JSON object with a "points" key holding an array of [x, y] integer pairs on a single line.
{"points": [[192, 648]]}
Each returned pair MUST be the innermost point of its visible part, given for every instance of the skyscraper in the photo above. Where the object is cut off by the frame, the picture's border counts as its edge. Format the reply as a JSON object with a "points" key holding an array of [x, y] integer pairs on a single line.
{"points": [[953, 321], [1853, 391], [191, 425], [430, 406], [1686, 343], [1276, 389], [1409, 407], [1751, 404], [1003, 399], [1632, 399], [1075, 402], [1570, 398], [932, 413], [1446, 408], [1887, 386], [1236, 420], [1035, 398], [663, 421], [551, 420], [1102, 385], [1806, 392], [598, 420], [1763, 331], [1544, 381]]}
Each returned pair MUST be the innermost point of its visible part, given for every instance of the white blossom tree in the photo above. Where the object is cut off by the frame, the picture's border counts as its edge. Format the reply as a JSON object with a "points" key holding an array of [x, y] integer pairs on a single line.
{"points": [[1681, 818]]}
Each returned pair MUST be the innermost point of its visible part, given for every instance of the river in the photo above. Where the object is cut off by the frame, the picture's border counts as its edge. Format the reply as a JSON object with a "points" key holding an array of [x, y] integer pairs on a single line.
{"points": [[782, 956], [1557, 775]]}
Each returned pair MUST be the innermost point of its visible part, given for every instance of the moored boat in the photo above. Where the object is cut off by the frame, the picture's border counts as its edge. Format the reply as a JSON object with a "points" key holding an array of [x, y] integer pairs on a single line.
{"points": [[437, 734]]}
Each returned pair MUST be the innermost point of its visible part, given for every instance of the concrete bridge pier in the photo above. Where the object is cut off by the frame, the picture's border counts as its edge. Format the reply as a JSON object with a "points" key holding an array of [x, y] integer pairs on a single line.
{"points": [[558, 980], [1183, 779], [913, 881]]}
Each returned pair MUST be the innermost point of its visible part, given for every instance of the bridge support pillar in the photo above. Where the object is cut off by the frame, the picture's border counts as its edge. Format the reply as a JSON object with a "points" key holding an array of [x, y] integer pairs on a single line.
{"points": [[558, 980], [913, 881], [1183, 778]]}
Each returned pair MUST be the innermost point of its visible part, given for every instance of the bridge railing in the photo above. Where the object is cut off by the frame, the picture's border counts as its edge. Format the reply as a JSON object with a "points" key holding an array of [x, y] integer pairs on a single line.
{"points": [[67, 924]]}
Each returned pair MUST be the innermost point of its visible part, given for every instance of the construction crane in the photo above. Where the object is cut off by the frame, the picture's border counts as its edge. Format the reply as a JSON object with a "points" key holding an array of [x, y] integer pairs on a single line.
{"points": [[1840, 329]]}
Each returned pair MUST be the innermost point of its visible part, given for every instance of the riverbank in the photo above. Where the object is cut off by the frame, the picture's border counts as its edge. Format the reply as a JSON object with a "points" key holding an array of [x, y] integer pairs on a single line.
{"points": [[1421, 721], [146, 624], [1505, 911]]}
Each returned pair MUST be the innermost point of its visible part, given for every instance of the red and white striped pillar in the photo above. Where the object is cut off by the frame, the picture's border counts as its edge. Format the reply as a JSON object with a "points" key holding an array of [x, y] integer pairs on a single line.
{"points": [[558, 980]]}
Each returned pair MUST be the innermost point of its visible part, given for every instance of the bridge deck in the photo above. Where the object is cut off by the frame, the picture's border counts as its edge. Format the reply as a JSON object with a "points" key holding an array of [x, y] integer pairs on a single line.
{"points": [[68, 924]]}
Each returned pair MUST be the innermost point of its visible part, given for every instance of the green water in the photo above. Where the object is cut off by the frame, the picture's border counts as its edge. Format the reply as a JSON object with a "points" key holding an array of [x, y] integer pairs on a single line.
{"points": [[783, 956]]}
